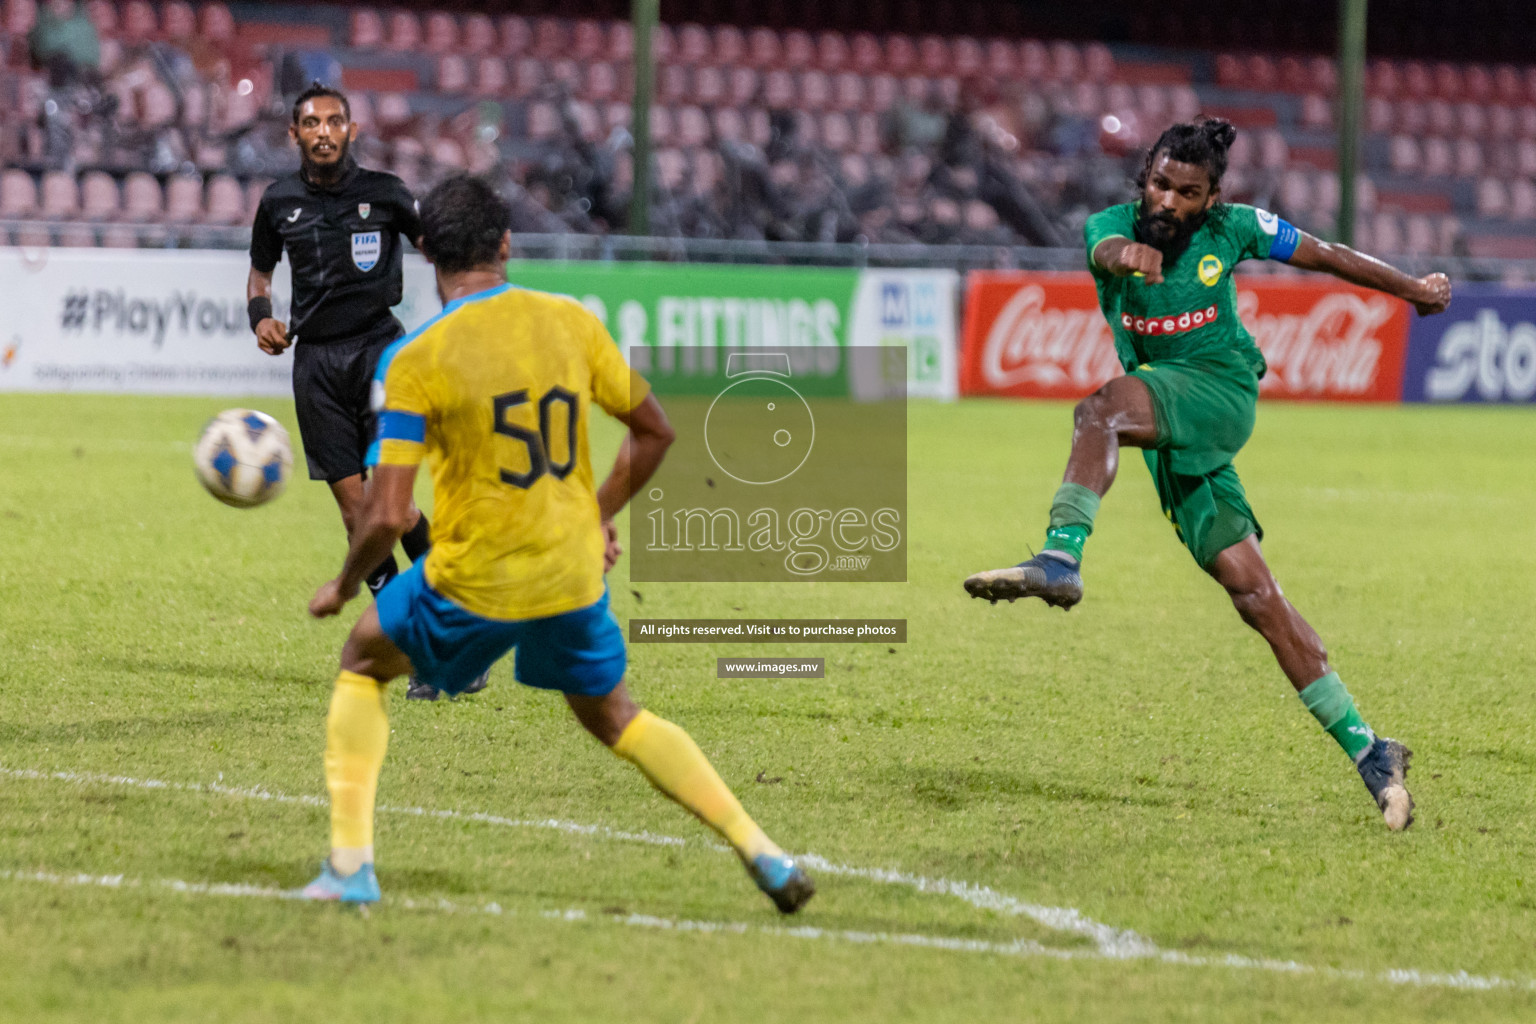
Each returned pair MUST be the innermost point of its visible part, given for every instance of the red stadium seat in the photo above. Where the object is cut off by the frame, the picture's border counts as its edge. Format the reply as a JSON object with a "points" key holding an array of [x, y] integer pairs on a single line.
{"points": [[1034, 61], [621, 42], [693, 44], [744, 84], [491, 77], [1442, 117], [663, 128], [602, 82], [709, 86], [616, 115], [778, 90], [225, 201], [1230, 73], [815, 91], [402, 32], [933, 56], [514, 35], [916, 90], [543, 122], [588, 40], [1404, 156], [1507, 85], [1502, 123], [864, 53], [671, 169], [1412, 117], [216, 24], [1477, 83], [730, 46], [848, 91], [1439, 159], [177, 20], [832, 51], [566, 72], [707, 171], [478, 36], [1468, 158], [1316, 111], [884, 91], [799, 50], [549, 38], [527, 75], [143, 201], [452, 74], [60, 196], [967, 57], [1472, 119], [365, 29], [729, 124], [763, 48], [1382, 79], [672, 83], [1493, 198], [1418, 82], [441, 33], [663, 44], [99, 196], [19, 17], [900, 54], [103, 15], [692, 127], [184, 199], [1449, 84]]}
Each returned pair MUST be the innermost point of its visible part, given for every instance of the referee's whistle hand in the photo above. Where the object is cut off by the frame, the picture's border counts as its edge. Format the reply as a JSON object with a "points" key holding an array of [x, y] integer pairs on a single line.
{"points": [[272, 336]]}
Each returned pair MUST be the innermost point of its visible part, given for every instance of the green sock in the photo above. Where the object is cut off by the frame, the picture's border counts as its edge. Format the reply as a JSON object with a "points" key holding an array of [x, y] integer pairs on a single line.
{"points": [[1072, 512], [1334, 710]]}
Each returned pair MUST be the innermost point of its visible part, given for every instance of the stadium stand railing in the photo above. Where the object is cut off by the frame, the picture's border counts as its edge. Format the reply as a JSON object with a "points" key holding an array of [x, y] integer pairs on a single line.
{"points": [[958, 144]]}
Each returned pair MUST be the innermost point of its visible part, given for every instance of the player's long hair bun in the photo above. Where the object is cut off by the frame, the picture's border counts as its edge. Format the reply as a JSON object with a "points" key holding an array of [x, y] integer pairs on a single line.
{"points": [[1203, 142]]}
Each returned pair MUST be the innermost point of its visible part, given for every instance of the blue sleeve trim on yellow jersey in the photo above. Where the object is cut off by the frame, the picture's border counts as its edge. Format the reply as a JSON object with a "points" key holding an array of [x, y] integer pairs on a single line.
{"points": [[395, 425], [1287, 238]]}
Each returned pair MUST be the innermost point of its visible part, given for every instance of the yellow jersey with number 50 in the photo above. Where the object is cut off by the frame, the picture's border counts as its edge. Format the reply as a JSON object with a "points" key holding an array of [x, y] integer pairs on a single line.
{"points": [[493, 393]]}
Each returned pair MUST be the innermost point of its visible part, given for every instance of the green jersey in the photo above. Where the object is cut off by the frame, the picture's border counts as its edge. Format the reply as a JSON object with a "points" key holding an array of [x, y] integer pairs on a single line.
{"points": [[1193, 312]]}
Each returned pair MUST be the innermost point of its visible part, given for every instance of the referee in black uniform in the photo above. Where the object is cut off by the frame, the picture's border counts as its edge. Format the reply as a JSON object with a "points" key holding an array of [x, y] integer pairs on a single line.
{"points": [[341, 226]]}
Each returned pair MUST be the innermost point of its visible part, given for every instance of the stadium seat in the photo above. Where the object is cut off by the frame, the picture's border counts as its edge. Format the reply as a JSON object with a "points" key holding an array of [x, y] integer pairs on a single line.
{"points": [[799, 50], [1477, 84], [137, 22], [729, 125], [763, 49], [1316, 111], [617, 115], [477, 36], [440, 33], [225, 201], [933, 56], [1471, 119], [832, 52], [692, 127], [1468, 158], [447, 154], [1507, 85], [966, 57], [1439, 159], [883, 93], [19, 17], [588, 41], [744, 84], [864, 53], [491, 77], [815, 91], [1380, 115], [707, 170], [143, 201], [1325, 193], [900, 55], [1183, 103], [1230, 73], [1381, 79], [527, 76], [671, 169], [1442, 118], [729, 46], [566, 72], [1493, 199], [693, 45], [1419, 236], [452, 74], [1418, 81], [663, 128], [1525, 158], [672, 83], [18, 194], [365, 29], [99, 196], [184, 199], [216, 24], [514, 35], [402, 32], [1522, 200], [1501, 121], [663, 44], [848, 91], [1295, 193], [103, 15], [1448, 83], [835, 132], [1386, 234], [177, 20], [550, 39], [1404, 156], [603, 84], [866, 134]]}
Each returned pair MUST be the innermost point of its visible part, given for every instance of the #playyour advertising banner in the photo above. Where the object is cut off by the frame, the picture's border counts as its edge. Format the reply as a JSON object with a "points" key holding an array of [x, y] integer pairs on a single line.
{"points": [[1041, 335], [1483, 349], [150, 322]]}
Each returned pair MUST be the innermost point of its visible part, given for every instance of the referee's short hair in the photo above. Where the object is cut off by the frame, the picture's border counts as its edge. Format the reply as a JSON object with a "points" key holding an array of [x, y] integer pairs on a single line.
{"points": [[316, 90], [462, 221]]}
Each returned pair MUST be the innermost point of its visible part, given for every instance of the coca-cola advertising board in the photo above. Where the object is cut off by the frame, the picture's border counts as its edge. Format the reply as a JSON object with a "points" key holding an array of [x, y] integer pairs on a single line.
{"points": [[1483, 349], [1040, 335]]}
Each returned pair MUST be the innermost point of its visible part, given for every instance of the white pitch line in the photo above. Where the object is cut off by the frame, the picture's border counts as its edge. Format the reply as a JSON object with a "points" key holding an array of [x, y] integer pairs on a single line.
{"points": [[1019, 948], [1110, 943]]}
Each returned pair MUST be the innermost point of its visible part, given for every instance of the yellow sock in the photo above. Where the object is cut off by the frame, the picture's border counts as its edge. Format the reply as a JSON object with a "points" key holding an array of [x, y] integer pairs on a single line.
{"points": [[356, 735], [675, 765]]}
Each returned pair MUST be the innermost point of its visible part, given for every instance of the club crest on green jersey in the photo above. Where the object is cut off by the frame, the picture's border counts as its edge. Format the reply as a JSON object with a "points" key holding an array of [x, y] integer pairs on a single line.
{"points": [[1209, 270]]}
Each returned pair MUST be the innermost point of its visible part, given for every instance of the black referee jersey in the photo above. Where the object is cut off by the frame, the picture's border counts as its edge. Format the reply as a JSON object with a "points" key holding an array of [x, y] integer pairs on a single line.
{"points": [[344, 247]]}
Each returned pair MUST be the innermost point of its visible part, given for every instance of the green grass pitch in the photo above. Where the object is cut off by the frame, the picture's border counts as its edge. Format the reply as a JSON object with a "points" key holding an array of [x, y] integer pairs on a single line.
{"points": [[1140, 760]]}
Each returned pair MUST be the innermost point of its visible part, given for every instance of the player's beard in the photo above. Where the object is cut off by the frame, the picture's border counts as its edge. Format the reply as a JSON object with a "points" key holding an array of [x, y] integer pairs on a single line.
{"points": [[322, 174], [1168, 234]]}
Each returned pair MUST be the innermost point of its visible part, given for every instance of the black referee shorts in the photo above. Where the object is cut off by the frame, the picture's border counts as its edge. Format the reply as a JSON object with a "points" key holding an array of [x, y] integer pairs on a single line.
{"points": [[332, 381]]}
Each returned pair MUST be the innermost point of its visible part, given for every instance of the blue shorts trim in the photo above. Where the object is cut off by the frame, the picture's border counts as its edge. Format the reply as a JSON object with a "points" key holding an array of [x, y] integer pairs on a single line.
{"points": [[579, 652]]}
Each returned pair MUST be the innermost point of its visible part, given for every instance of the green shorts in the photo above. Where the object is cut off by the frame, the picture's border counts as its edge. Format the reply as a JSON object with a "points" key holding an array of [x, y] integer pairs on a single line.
{"points": [[1205, 412]]}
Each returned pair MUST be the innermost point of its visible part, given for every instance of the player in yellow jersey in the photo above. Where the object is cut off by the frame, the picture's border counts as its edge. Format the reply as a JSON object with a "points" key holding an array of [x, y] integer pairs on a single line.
{"points": [[493, 394]]}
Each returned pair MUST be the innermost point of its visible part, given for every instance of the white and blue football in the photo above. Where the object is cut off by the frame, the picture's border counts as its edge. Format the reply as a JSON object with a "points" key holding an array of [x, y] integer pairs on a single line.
{"points": [[243, 457]]}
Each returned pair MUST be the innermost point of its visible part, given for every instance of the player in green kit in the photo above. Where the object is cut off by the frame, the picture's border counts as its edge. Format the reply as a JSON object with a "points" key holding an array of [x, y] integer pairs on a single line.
{"points": [[1163, 268]]}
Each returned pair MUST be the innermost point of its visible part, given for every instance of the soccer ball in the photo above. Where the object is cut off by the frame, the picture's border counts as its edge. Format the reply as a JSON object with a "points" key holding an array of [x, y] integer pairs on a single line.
{"points": [[243, 457]]}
